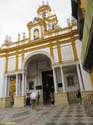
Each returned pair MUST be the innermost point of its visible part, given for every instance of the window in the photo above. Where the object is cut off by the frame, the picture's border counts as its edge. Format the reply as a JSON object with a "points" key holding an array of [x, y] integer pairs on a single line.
{"points": [[70, 81], [31, 85], [36, 34]]}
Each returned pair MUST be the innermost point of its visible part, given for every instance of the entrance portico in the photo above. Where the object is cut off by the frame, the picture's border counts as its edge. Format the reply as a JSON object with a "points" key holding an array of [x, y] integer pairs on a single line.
{"points": [[64, 79]]}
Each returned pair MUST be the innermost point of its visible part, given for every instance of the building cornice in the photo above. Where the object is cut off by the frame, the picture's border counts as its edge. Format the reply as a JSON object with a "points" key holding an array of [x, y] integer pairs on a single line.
{"points": [[39, 41]]}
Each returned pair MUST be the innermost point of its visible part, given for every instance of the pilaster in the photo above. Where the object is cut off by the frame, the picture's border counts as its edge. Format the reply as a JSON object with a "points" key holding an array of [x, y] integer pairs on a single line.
{"points": [[74, 51], [59, 52]]}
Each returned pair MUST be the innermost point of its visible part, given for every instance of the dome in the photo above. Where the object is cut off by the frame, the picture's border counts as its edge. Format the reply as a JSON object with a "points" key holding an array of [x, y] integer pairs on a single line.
{"points": [[43, 8]]}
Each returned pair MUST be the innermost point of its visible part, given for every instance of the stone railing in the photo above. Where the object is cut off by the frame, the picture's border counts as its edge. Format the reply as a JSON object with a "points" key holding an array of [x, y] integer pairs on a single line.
{"points": [[88, 103]]}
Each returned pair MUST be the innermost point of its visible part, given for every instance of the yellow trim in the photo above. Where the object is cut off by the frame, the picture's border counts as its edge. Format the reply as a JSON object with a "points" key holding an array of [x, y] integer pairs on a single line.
{"points": [[6, 64], [91, 78], [42, 46], [39, 23], [37, 48], [43, 8], [22, 55], [41, 31], [29, 35], [53, 31], [51, 51], [51, 18], [59, 52], [74, 51], [17, 60], [41, 41]]}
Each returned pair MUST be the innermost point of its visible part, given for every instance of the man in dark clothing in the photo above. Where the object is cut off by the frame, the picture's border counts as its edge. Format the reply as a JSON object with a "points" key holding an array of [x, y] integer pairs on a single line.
{"points": [[79, 96]]}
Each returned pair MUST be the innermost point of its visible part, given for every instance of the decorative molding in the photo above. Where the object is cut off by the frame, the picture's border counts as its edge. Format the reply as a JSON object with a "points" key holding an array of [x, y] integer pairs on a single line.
{"points": [[23, 55], [74, 50], [27, 49], [6, 63], [41, 41], [59, 52], [17, 60], [51, 50]]}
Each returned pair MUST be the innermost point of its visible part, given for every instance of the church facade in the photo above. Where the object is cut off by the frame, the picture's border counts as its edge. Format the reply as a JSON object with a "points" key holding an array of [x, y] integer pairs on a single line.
{"points": [[48, 60]]}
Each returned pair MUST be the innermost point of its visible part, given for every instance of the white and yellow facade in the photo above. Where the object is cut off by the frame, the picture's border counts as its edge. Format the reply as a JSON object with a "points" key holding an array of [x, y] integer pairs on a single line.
{"points": [[47, 48]]}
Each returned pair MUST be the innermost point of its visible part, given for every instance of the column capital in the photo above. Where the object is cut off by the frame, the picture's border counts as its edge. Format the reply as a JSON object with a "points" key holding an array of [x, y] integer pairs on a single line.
{"points": [[61, 66], [16, 73], [5, 75], [23, 72], [53, 67]]}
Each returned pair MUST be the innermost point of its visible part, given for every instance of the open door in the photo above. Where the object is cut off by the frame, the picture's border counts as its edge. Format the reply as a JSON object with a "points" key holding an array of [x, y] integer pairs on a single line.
{"points": [[48, 86]]}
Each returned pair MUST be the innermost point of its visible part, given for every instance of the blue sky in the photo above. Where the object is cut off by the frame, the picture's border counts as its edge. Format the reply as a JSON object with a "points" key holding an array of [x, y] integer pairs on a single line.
{"points": [[15, 14]]}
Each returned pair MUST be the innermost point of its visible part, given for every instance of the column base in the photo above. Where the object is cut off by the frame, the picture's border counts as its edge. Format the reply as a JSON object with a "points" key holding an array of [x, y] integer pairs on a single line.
{"points": [[19, 101], [5, 102], [61, 99], [85, 93]]}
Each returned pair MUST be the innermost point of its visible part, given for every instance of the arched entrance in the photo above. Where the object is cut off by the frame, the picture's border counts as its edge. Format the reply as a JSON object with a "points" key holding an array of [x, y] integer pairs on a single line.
{"points": [[39, 75]]}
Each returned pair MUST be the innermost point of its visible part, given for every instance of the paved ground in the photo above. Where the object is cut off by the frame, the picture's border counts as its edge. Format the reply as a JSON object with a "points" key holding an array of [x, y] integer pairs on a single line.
{"points": [[46, 115]]}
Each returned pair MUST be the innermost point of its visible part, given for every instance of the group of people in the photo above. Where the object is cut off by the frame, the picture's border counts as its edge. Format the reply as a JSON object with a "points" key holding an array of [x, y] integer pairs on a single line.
{"points": [[33, 99]]}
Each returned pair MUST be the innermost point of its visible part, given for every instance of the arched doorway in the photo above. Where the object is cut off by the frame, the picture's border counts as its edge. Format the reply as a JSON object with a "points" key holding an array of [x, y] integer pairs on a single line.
{"points": [[40, 76]]}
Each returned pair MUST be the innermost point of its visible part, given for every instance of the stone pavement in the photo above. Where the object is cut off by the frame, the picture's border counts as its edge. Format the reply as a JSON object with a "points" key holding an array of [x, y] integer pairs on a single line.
{"points": [[46, 115]]}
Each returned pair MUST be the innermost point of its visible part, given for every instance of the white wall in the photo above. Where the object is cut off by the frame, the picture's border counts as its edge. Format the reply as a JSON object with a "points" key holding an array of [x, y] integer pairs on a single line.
{"points": [[85, 75], [12, 63], [20, 62], [67, 52], [26, 54], [2, 69], [55, 55]]}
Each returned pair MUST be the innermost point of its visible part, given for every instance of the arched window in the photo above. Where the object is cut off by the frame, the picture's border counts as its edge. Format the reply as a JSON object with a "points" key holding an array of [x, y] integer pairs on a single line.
{"points": [[36, 34]]}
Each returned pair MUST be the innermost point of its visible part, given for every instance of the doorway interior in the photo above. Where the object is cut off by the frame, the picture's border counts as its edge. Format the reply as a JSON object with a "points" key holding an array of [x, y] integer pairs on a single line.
{"points": [[48, 86]]}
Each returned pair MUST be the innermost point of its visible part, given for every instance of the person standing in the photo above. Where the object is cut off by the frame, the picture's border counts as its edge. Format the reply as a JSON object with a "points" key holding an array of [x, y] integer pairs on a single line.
{"points": [[33, 99], [38, 97], [28, 100], [79, 96]]}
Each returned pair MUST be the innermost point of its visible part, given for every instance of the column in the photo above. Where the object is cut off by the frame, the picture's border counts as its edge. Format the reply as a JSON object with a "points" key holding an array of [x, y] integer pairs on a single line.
{"points": [[17, 85], [6, 86], [62, 77], [79, 77], [23, 84], [54, 78]]}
